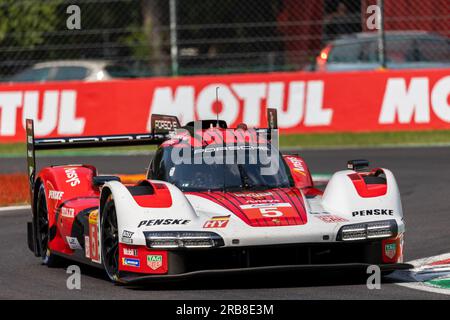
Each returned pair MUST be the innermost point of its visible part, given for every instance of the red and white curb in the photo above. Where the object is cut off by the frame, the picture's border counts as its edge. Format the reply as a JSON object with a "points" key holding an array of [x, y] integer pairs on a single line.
{"points": [[430, 274]]}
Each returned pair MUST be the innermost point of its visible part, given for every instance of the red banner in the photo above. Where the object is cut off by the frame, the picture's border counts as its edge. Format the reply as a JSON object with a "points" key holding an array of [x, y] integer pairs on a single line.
{"points": [[306, 102]]}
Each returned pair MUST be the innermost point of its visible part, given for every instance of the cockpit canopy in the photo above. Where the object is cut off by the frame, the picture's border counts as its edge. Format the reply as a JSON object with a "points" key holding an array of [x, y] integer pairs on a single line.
{"points": [[226, 167]]}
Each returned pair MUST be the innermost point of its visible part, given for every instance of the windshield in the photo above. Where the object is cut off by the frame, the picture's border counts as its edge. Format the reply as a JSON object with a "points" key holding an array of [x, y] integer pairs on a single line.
{"points": [[216, 170]]}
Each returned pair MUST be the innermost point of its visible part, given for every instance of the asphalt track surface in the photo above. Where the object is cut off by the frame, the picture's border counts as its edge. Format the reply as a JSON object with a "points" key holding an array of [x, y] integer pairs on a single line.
{"points": [[422, 173]]}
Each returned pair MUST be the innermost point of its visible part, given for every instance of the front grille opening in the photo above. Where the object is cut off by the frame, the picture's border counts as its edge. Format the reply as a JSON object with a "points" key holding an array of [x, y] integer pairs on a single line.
{"points": [[227, 258]]}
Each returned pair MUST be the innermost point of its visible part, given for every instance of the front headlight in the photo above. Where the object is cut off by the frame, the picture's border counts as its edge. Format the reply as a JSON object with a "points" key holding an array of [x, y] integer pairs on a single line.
{"points": [[182, 239], [368, 231]]}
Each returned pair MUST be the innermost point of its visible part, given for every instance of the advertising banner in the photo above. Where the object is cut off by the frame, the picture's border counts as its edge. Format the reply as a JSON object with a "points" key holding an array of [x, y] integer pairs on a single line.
{"points": [[306, 102]]}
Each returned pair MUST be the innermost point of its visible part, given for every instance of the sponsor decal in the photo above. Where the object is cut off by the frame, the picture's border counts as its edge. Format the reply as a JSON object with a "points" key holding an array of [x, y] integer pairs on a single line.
{"points": [[373, 212], [72, 177], [168, 125], [255, 201], [87, 247], [217, 222], [67, 212], [127, 237], [130, 262], [130, 252], [298, 165], [390, 249], [254, 195], [127, 240], [276, 210], [154, 261], [93, 217], [55, 195], [157, 222], [265, 205], [93, 236], [127, 234], [331, 218], [73, 243]]}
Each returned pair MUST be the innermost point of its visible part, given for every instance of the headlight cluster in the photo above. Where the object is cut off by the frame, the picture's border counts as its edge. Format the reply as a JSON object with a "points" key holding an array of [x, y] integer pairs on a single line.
{"points": [[182, 239], [368, 230]]}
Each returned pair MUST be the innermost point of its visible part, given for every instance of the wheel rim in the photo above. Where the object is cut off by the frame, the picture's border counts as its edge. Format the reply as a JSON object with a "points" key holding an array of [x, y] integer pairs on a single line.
{"points": [[110, 243], [42, 226]]}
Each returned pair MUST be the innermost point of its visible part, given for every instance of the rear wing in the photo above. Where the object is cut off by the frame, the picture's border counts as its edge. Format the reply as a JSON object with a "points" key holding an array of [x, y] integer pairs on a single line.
{"points": [[161, 131], [162, 127]]}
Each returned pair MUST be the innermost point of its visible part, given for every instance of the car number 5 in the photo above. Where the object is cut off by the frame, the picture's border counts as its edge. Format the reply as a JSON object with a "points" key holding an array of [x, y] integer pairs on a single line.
{"points": [[270, 212]]}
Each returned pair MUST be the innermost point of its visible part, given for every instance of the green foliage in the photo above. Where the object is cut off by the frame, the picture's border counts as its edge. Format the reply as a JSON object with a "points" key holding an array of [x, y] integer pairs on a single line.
{"points": [[24, 23], [137, 41]]}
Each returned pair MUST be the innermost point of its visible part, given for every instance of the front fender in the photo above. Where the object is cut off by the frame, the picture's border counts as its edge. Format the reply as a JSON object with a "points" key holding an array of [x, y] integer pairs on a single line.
{"points": [[342, 197], [135, 212]]}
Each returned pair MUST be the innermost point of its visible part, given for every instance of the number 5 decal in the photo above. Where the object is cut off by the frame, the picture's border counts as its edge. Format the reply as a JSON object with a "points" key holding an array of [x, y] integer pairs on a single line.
{"points": [[270, 212], [265, 210]]}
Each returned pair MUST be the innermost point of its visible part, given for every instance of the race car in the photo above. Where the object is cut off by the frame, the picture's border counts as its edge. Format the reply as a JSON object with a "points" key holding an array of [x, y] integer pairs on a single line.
{"points": [[215, 200]]}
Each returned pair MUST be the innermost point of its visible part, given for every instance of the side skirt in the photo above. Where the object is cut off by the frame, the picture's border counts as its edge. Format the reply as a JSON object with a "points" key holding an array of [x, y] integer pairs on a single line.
{"points": [[78, 257]]}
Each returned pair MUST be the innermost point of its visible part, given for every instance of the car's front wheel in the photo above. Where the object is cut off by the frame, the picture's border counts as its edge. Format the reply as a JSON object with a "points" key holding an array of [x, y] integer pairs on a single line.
{"points": [[110, 241], [43, 230]]}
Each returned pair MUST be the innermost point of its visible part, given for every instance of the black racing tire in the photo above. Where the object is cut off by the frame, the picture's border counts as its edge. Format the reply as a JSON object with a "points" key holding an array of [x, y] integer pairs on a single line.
{"points": [[43, 230], [110, 241]]}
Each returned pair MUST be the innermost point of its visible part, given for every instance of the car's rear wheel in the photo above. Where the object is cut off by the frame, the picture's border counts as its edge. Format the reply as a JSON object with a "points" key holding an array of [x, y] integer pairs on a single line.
{"points": [[43, 230], [110, 241]]}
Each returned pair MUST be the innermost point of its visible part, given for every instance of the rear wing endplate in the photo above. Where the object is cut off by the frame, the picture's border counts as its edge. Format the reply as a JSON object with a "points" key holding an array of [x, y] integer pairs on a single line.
{"points": [[156, 137], [272, 118]]}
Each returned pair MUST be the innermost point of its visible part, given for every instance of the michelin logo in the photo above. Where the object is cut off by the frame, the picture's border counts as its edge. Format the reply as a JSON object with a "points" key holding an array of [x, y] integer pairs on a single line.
{"points": [[131, 262]]}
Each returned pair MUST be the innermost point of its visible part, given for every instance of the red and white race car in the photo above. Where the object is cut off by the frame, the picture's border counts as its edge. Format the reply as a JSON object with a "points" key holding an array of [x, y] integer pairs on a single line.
{"points": [[215, 200]]}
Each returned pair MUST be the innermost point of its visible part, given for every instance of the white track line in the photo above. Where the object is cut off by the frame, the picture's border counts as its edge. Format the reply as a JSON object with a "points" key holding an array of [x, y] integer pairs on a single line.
{"points": [[14, 208]]}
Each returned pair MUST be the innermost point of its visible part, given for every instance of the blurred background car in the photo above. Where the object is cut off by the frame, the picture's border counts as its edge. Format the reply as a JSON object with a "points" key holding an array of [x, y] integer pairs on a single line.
{"points": [[71, 70], [404, 50], [190, 37]]}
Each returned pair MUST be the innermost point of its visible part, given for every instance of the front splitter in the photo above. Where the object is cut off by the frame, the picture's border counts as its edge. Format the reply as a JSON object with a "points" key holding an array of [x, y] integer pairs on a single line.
{"points": [[259, 270]]}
